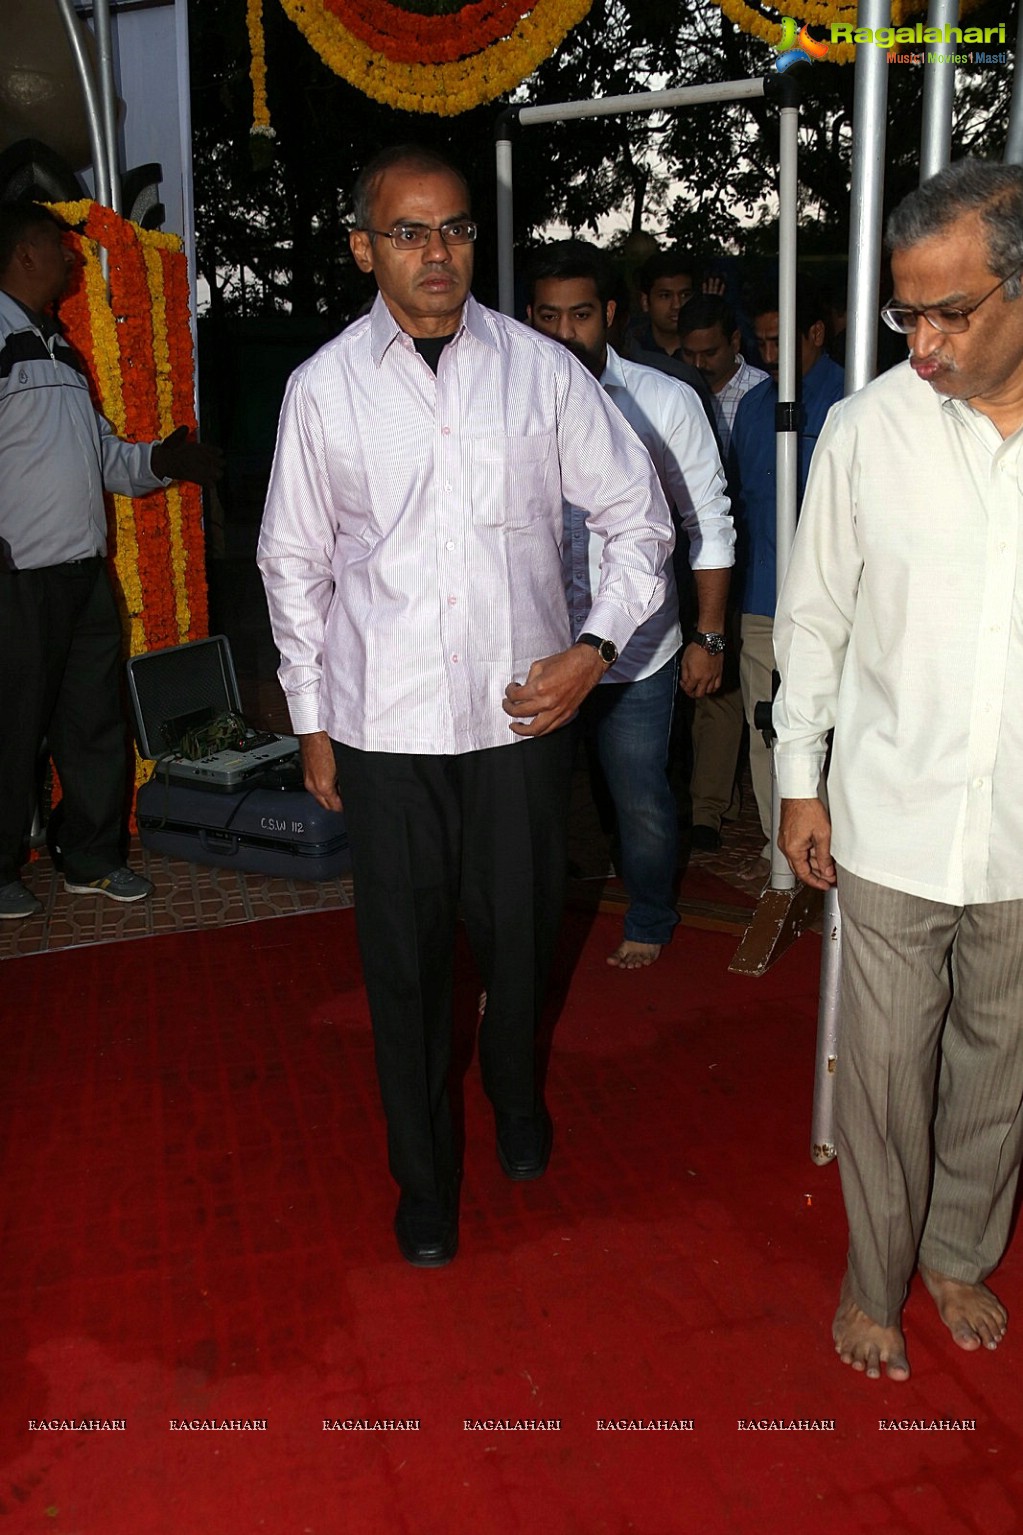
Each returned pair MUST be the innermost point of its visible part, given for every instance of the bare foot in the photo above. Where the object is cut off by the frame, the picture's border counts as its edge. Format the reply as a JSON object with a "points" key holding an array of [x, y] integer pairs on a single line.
{"points": [[973, 1315], [865, 1344], [634, 956]]}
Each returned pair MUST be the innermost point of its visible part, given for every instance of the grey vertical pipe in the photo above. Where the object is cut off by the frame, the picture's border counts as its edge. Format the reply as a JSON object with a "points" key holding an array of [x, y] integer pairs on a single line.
{"points": [[108, 97], [869, 121], [505, 216], [1014, 142], [91, 98], [939, 92], [787, 436]]}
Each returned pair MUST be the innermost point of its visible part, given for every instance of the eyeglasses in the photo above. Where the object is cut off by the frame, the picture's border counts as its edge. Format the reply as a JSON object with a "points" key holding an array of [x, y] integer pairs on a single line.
{"points": [[950, 322], [412, 237]]}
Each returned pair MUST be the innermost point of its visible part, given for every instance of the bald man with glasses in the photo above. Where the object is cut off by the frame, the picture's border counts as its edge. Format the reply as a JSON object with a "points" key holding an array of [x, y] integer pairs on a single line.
{"points": [[411, 552], [899, 626]]}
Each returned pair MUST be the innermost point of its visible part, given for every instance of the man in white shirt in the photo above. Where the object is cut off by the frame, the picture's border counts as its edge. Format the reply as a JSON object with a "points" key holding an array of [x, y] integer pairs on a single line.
{"points": [[570, 286], [411, 552], [899, 625]]}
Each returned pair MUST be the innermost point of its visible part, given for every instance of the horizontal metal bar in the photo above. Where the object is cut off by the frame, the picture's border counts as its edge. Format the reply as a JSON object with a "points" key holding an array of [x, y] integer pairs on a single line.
{"points": [[645, 101]]}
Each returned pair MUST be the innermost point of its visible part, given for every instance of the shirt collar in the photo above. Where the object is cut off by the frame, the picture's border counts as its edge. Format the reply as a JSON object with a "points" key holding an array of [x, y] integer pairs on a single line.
{"points": [[613, 376], [44, 323], [384, 329]]}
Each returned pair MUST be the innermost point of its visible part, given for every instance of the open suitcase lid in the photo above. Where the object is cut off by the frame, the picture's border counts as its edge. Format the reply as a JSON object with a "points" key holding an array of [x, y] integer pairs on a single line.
{"points": [[177, 687]]}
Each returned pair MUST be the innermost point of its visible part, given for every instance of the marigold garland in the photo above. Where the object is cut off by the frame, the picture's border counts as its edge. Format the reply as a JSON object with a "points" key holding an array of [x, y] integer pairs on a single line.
{"points": [[257, 69], [133, 332], [445, 64], [749, 18]]}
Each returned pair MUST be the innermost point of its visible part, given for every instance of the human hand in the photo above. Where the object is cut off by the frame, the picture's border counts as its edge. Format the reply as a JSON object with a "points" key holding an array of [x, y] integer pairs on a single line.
{"points": [[804, 837], [175, 458], [553, 690], [319, 769], [701, 672], [714, 285]]}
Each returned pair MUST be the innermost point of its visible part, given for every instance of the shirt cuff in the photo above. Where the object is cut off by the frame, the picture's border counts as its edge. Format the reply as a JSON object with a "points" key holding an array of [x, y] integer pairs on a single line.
{"points": [[799, 776], [609, 623], [304, 709]]}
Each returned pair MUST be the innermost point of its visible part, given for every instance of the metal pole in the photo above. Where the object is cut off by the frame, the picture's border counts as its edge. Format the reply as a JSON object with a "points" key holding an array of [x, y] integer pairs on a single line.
{"points": [[100, 163], [505, 213], [1014, 142], [786, 423], [870, 104], [108, 97], [869, 118], [822, 1131], [939, 89]]}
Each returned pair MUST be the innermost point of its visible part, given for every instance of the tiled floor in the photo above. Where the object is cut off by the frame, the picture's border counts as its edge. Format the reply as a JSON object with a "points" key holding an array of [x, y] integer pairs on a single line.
{"points": [[193, 896], [187, 895]]}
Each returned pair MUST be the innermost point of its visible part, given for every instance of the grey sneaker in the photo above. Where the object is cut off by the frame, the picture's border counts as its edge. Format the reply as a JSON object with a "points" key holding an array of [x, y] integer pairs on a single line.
{"points": [[119, 885], [16, 900]]}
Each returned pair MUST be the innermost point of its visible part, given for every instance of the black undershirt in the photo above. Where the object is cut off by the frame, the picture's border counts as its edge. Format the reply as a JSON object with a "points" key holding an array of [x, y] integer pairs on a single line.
{"points": [[430, 348]]}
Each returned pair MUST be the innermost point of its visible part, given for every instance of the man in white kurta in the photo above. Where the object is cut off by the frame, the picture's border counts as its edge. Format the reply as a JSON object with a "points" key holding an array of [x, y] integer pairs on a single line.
{"points": [[900, 625]]}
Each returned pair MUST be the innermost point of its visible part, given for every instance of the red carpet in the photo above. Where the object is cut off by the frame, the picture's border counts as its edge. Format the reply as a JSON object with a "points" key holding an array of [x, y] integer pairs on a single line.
{"points": [[196, 1225]]}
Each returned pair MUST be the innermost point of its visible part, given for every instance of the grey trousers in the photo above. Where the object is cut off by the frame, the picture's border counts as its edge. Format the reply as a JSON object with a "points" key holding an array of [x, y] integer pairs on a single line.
{"points": [[929, 1088], [756, 665]]}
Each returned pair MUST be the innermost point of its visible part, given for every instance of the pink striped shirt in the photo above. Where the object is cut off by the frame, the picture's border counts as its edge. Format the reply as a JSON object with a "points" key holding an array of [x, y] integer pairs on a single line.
{"points": [[411, 545]]}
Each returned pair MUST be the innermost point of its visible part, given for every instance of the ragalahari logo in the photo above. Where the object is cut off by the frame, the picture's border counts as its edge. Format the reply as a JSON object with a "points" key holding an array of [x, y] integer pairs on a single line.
{"points": [[796, 46]]}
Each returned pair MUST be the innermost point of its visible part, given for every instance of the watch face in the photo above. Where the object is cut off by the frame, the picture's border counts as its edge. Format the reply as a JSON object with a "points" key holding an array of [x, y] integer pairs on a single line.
{"points": [[713, 644], [608, 652]]}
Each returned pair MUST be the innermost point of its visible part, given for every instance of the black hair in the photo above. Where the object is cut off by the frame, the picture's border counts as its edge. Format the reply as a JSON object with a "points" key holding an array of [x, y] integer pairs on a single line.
{"points": [[566, 259], [416, 157], [674, 263], [811, 305], [703, 312], [19, 219]]}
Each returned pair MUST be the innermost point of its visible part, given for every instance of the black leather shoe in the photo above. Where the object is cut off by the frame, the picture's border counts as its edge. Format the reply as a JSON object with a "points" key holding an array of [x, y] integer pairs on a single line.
{"points": [[704, 839], [524, 1144], [427, 1231]]}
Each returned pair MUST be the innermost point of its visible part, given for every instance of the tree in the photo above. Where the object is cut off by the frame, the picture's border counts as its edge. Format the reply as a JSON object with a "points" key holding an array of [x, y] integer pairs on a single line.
{"points": [[271, 236]]}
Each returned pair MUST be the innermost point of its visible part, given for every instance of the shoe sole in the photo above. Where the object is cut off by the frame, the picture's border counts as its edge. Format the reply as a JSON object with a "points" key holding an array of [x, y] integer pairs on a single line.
{"points": [[19, 916], [125, 900], [419, 1262]]}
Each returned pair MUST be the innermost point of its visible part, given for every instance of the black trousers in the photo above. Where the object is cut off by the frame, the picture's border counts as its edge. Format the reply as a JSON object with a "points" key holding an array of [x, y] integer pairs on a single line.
{"points": [[486, 829], [60, 678]]}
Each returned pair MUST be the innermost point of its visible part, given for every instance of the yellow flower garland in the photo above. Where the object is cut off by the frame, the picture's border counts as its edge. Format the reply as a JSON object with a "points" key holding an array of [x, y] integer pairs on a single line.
{"points": [[444, 89], [257, 69]]}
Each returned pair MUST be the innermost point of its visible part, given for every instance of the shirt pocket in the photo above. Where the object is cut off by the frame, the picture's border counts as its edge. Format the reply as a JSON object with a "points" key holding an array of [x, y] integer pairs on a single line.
{"points": [[514, 480]]}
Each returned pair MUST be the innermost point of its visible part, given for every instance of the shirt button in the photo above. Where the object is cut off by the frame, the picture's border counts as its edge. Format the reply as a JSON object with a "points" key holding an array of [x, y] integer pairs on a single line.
{"points": [[447, 484], [978, 783], [452, 601], [450, 544], [454, 658], [445, 431]]}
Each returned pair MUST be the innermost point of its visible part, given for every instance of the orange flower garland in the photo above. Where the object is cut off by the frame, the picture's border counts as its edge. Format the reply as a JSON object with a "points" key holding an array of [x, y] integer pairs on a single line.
{"points": [[134, 334], [445, 64]]}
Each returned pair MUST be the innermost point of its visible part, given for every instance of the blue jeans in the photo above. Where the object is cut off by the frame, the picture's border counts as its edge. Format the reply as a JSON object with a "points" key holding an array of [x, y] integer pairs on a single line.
{"points": [[631, 722]]}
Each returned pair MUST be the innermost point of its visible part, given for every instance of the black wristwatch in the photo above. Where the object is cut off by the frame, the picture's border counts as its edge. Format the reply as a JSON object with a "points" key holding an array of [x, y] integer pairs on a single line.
{"points": [[607, 650], [713, 644]]}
